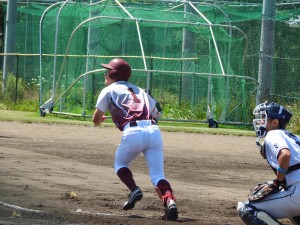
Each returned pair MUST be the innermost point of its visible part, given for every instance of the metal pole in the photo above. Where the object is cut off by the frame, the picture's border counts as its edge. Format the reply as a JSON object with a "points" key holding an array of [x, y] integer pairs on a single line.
{"points": [[41, 49], [10, 40], [188, 49], [26, 40], [92, 48], [17, 80], [266, 51], [55, 86]]}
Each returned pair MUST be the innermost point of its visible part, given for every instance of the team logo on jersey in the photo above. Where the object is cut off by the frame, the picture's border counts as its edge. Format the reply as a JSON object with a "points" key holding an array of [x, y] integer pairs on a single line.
{"points": [[276, 146]]}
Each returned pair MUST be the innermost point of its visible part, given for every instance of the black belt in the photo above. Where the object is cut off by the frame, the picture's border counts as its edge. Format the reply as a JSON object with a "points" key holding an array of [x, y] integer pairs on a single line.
{"points": [[293, 167], [134, 123]]}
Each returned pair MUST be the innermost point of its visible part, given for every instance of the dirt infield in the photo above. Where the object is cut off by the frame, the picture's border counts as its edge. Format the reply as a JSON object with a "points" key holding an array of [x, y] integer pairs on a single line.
{"points": [[63, 174]]}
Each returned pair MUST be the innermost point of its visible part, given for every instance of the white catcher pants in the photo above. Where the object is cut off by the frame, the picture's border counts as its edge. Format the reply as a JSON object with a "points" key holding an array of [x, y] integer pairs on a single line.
{"points": [[144, 138], [285, 204]]}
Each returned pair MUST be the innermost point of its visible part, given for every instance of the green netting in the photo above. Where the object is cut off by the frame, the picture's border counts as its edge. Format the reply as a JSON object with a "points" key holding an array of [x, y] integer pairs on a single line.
{"points": [[216, 66]]}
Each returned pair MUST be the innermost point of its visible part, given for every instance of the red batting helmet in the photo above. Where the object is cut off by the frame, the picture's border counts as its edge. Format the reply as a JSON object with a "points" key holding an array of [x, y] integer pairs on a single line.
{"points": [[118, 69]]}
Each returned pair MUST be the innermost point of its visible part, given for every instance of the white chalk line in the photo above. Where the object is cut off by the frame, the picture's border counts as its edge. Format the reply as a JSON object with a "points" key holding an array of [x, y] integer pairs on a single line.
{"points": [[94, 213], [112, 214], [77, 212], [19, 208]]}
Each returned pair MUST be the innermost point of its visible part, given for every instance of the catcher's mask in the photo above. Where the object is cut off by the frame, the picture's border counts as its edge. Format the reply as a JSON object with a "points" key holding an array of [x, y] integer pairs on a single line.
{"points": [[118, 69], [272, 110]]}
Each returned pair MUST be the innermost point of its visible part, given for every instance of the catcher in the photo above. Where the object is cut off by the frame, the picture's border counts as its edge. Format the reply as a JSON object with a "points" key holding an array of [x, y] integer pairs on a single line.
{"points": [[278, 198], [134, 113]]}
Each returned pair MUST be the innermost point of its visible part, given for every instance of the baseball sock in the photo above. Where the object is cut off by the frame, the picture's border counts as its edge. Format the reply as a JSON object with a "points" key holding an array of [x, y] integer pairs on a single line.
{"points": [[126, 177], [166, 190]]}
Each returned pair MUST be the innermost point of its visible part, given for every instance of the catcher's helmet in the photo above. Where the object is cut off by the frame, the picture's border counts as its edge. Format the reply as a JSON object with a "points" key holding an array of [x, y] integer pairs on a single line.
{"points": [[272, 110], [118, 69]]}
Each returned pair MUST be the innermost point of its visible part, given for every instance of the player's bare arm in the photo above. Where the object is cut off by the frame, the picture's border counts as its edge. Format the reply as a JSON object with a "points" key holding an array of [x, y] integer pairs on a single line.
{"points": [[98, 117], [283, 162]]}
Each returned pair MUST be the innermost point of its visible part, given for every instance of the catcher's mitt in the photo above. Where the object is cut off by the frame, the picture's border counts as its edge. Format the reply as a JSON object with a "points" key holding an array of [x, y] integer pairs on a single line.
{"points": [[262, 190]]}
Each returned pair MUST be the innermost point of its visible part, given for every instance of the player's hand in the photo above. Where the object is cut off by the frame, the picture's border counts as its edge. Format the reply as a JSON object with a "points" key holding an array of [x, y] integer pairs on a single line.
{"points": [[99, 123]]}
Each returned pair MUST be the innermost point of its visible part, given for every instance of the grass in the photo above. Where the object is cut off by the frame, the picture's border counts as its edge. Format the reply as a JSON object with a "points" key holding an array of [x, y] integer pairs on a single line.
{"points": [[169, 126]]}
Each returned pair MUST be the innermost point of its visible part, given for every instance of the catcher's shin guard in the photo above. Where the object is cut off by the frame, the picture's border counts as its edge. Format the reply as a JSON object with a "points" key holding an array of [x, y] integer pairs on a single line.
{"points": [[266, 218], [259, 218], [252, 216], [296, 220]]}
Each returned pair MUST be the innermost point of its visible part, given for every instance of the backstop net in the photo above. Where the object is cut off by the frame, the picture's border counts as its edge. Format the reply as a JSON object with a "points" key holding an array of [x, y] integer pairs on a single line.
{"points": [[177, 54], [192, 57]]}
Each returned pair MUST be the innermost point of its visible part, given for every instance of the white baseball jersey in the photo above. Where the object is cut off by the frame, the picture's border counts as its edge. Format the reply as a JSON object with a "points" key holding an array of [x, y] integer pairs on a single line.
{"points": [[277, 140], [284, 204], [127, 102]]}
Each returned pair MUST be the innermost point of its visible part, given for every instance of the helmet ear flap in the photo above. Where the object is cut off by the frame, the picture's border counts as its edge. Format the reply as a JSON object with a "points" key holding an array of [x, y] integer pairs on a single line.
{"points": [[113, 74]]}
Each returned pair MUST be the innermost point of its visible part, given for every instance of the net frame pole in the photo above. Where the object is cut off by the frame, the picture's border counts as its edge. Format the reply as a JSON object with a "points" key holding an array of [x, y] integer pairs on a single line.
{"points": [[83, 112], [140, 41], [88, 49], [55, 48], [212, 34], [54, 87], [41, 48], [208, 114], [227, 99]]}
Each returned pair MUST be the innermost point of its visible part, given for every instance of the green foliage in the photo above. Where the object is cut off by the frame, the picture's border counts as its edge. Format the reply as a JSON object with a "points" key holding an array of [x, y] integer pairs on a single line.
{"points": [[29, 105], [19, 95], [13, 91], [0, 84], [294, 125], [183, 110]]}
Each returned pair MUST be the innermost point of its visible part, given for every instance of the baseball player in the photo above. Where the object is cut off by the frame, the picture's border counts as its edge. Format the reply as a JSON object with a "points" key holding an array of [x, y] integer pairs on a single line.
{"points": [[134, 113], [278, 198]]}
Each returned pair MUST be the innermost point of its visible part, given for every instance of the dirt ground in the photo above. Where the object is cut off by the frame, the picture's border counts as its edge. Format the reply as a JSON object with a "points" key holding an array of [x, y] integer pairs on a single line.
{"points": [[63, 174]]}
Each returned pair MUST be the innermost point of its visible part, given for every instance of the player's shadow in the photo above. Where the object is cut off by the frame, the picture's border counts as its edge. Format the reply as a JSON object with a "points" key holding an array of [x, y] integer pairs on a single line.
{"points": [[2, 136], [179, 220]]}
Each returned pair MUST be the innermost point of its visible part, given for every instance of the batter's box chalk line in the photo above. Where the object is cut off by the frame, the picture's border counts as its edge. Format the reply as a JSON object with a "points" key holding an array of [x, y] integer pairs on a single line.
{"points": [[21, 208], [181, 219]]}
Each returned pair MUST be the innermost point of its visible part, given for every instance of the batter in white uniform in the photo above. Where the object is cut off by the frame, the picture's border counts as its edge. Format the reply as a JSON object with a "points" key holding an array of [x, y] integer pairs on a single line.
{"points": [[134, 113], [282, 151]]}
